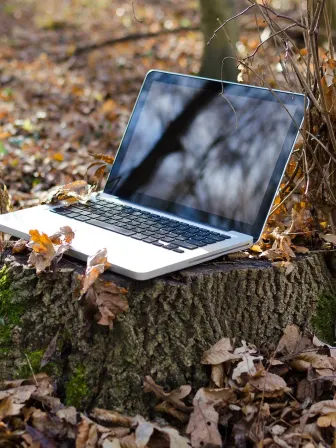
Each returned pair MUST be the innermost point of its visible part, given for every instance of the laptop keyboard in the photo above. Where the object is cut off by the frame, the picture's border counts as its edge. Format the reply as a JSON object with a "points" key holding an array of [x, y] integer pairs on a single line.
{"points": [[140, 225]]}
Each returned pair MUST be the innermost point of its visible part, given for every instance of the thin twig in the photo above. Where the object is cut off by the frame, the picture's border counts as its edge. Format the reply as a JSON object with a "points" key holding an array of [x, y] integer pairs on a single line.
{"points": [[229, 20], [270, 37], [134, 15], [31, 368]]}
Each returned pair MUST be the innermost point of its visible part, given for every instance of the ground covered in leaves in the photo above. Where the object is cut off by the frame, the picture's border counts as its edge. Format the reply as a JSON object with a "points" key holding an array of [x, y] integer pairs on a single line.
{"points": [[280, 397], [60, 98]]}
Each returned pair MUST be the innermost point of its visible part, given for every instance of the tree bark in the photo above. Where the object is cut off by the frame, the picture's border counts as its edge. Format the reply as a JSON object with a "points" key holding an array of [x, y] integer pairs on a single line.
{"points": [[170, 322], [214, 13]]}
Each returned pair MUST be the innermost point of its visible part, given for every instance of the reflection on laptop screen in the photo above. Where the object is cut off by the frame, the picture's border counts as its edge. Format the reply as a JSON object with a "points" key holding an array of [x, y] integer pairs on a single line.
{"points": [[200, 149]]}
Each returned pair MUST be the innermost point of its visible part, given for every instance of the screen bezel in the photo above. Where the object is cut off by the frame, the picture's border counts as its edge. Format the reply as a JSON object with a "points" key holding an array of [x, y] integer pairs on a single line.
{"points": [[223, 223]]}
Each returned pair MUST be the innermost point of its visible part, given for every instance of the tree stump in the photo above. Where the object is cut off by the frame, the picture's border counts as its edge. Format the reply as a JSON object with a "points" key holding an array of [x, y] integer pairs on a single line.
{"points": [[170, 322]]}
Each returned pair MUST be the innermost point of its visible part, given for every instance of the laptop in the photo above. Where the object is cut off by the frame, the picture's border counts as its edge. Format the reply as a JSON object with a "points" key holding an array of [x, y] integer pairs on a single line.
{"points": [[194, 178]]}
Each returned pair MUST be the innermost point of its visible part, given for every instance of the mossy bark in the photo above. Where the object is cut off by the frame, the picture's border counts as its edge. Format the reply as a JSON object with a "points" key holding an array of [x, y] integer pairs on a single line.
{"points": [[171, 321]]}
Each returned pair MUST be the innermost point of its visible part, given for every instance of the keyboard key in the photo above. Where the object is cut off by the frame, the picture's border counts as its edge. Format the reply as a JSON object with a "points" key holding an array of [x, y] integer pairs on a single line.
{"points": [[139, 236], [197, 243], [178, 250], [71, 215], [172, 246], [111, 227], [150, 239], [209, 241], [82, 218], [166, 239], [157, 243], [187, 245]]}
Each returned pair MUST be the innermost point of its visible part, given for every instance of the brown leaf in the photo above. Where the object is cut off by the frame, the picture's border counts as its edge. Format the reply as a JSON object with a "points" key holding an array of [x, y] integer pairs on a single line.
{"points": [[329, 238], [268, 382], [327, 420], [68, 414], [5, 200], [289, 340], [8, 408], [19, 394], [167, 408], [174, 397], [305, 391], [203, 425], [108, 298], [44, 251], [79, 190], [112, 417], [83, 434], [19, 247], [64, 235], [150, 435], [96, 265], [304, 361], [104, 157], [49, 353], [217, 374], [214, 396], [219, 353]]}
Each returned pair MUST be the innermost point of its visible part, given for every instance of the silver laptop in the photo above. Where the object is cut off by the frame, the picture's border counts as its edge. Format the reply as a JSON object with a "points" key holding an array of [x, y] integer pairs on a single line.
{"points": [[194, 178]]}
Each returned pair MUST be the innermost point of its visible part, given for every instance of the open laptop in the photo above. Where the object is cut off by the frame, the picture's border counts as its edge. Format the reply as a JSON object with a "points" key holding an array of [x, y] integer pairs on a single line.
{"points": [[194, 178]]}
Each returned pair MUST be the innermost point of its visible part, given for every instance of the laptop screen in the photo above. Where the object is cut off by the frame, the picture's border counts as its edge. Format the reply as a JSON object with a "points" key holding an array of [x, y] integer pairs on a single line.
{"points": [[206, 151]]}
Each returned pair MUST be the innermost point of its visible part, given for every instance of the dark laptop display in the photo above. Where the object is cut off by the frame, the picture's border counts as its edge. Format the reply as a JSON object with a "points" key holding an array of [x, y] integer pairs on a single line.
{"points": [[207, 151]]}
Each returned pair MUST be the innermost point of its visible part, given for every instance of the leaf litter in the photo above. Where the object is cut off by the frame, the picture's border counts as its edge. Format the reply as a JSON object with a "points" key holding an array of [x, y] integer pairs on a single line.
{"points": [[285, 397]]}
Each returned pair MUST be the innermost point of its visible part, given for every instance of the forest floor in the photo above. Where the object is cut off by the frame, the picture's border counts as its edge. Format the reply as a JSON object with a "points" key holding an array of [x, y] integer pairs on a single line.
{"points": [[60, 98]]}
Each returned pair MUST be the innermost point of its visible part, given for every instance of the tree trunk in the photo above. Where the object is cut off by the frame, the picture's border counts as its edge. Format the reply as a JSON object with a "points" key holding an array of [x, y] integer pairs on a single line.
{"points": [[170, 322], [214, 13]]}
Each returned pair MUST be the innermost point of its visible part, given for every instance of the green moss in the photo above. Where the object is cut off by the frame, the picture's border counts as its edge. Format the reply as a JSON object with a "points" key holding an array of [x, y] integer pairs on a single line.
{"points": [[10, 312], [35, 358], [76, 389], [324, 319]]}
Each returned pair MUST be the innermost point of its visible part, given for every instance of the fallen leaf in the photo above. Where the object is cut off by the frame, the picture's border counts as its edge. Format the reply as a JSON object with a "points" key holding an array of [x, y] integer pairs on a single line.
{"points": [[327, 420], [256, 248], [304, 361], [68, 414], [64, 235], [268, 382], [246, 366], [301, 249], [112, 417], [79, 191], [44, 252], [169, 409], [217, 374], [289, 340], [96, 265], [8, 408], [19, 247], [329, 238], [219, 353], [203, 424], [110, 303], [174, 397], [103, 157], [83, 434], [49, 353]]}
